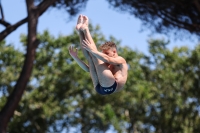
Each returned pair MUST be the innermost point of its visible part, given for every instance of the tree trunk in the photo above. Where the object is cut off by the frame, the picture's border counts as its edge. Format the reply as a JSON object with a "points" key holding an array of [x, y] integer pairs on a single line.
{"points": [[13, 100]]}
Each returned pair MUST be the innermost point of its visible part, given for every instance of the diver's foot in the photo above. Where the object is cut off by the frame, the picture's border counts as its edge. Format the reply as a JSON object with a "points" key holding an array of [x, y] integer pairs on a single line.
{"points": [[85, 23], [79, 22]]}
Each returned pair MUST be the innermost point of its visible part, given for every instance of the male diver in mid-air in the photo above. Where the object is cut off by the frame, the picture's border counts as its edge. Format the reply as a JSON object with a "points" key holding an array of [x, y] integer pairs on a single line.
{"points": [[108, 70]]}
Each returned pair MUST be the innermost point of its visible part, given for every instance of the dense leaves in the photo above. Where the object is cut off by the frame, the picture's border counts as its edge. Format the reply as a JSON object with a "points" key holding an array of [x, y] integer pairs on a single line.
{"points": [[10, 65], [161, 94], [164, 15], [35, 8]]}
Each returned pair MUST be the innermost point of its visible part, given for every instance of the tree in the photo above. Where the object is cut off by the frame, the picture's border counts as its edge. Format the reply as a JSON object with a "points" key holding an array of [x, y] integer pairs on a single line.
{"points": [[163, 16], [34, 10], [60, 91], [161, 93], [173, 89]]}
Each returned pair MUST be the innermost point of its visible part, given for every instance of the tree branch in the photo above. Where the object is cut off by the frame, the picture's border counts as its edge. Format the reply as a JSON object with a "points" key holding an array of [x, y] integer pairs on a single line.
{"points": [[41, 8], [1, 10], [176, 22], [197, 5], [2, 21], [6, 24], [13, 100], [11, 28]]}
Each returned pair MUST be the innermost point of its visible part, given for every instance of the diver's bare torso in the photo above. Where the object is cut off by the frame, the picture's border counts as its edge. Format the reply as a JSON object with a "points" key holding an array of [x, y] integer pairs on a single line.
{"points": [[120, 74]]}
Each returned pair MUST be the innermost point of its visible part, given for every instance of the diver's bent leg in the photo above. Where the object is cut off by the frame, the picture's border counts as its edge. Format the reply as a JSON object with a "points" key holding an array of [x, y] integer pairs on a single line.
{"points": [[93, 72], [105, 76], [85, 52], [86, 31]]}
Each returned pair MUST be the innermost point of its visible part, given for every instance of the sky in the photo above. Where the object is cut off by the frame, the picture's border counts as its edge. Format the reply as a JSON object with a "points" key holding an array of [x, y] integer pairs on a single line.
{"points": [[122, 26]]}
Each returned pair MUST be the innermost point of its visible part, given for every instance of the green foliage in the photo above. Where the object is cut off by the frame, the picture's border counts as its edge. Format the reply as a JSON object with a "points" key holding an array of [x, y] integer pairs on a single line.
{"points": [[72, 7], [10, 65], [164, 16], [161, 93]]}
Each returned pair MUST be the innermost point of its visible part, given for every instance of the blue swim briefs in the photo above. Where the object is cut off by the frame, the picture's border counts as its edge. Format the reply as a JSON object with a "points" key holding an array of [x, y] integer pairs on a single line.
{"points": [[106, 90]]}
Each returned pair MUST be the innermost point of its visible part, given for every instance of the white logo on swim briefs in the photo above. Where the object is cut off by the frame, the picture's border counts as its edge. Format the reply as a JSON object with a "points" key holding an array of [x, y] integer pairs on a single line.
{"points": [[107, 90]]}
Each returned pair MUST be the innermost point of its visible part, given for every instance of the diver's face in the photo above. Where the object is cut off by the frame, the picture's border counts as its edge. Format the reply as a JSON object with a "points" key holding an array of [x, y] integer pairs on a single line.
{"points": [[110, 52]]}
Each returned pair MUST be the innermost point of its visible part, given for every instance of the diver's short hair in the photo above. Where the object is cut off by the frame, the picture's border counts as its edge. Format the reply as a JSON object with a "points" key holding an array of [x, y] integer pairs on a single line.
{"points": [[108, 45]]}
